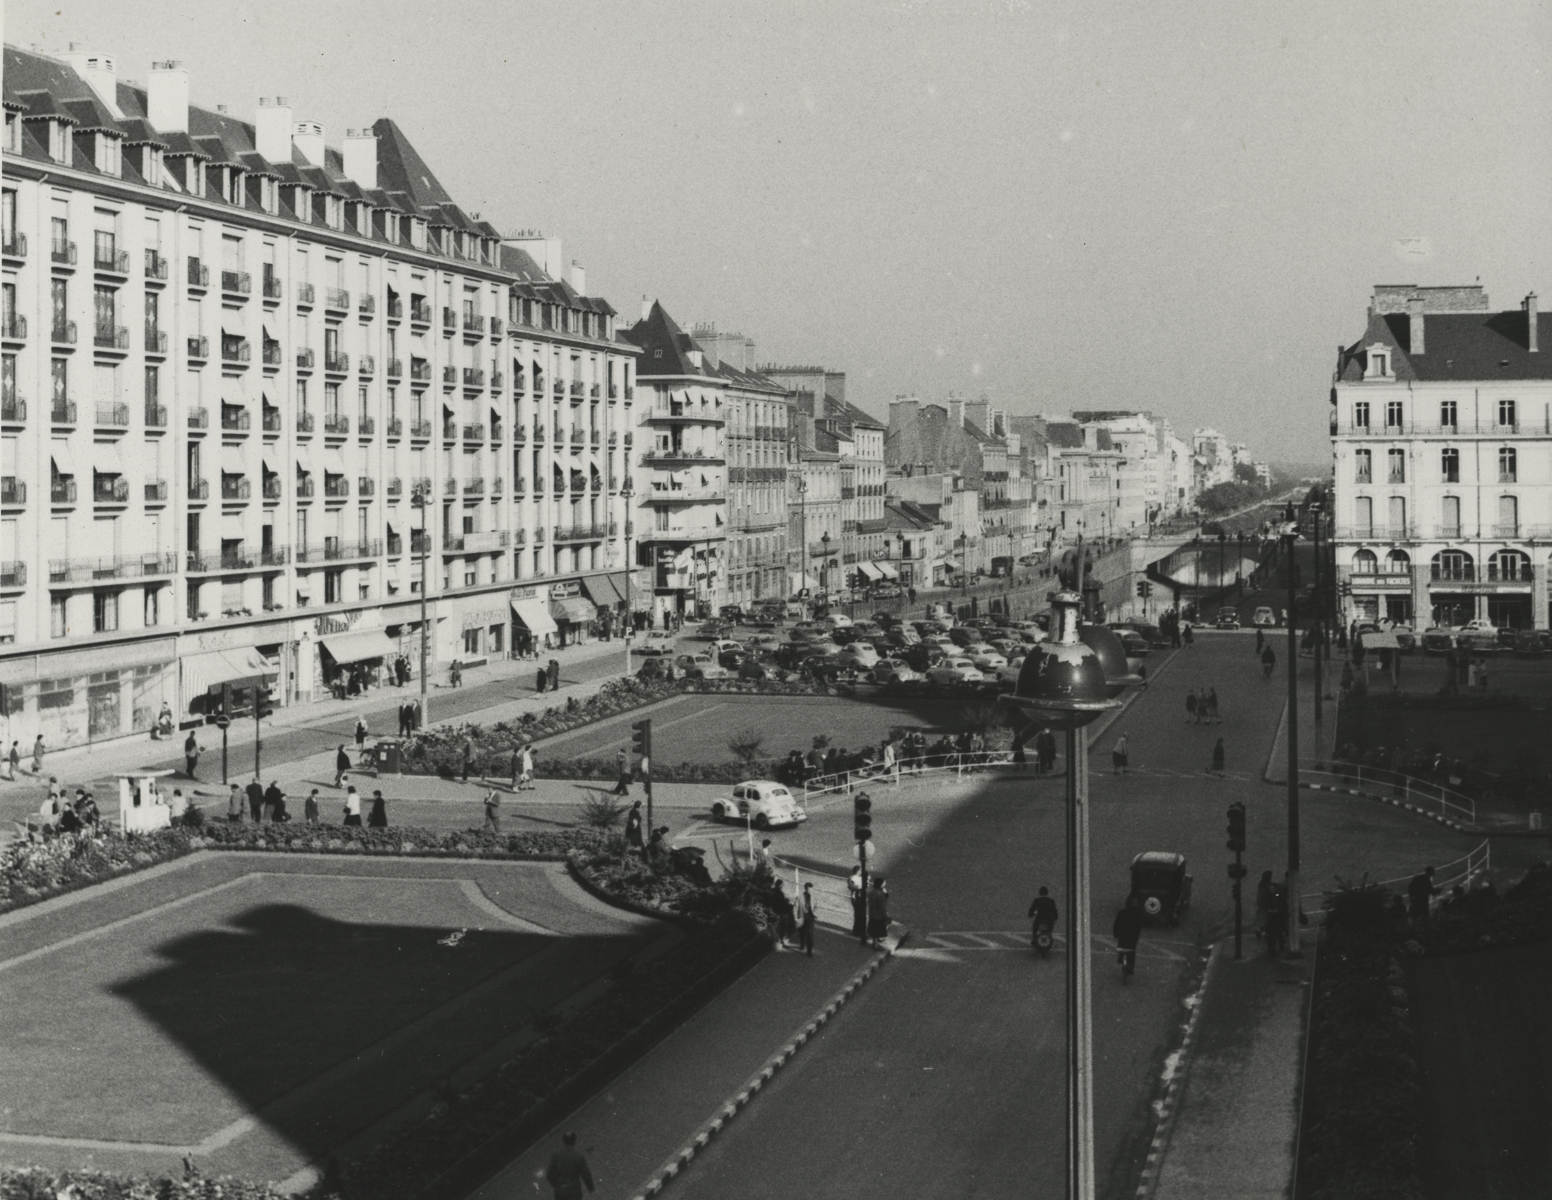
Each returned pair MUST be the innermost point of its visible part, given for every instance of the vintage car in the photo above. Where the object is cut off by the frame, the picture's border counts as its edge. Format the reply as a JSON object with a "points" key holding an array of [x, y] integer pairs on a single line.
{"points": [[657, 641], [1438, 640], [955, 672], [1160, 881], [1135, 645], [761, 802], [892, 670], [1264, 617], [1227, 618], [858, 654], [701, 666]]}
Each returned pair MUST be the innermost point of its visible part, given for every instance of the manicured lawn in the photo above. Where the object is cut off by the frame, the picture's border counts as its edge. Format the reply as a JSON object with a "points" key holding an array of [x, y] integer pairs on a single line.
{"points": [[317, 996]]}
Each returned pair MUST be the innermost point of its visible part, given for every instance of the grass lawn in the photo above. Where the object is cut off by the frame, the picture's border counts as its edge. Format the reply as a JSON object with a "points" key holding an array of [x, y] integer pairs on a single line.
{"points": [[316, 996], [1486, 1052]]}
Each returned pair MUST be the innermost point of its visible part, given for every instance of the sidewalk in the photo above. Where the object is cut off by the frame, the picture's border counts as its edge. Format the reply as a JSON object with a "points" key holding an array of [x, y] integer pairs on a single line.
{"points": [[1233, 1133], [642, 1119]]}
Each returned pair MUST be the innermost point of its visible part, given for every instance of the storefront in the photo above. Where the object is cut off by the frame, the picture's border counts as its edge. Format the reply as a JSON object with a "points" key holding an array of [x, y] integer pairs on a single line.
{"points": [[229, 676], [82, 696], [354, 661], [572, 612], [533, 629], [607, 592]]}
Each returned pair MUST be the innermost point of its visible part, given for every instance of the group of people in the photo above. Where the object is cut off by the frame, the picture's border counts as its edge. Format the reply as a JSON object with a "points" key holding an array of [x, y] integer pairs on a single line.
{"points": [[869, 907], [1202, 706], [60, 814], [1273, 906], [13, 760], [409, 717], [548, 679]]}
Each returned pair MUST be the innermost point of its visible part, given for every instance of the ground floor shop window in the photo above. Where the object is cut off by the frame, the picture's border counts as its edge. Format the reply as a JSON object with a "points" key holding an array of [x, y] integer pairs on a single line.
{"points": [[496, 640], [471, 641]]}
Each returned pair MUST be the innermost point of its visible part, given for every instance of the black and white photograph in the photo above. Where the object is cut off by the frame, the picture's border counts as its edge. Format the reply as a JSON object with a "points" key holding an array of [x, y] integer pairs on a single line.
{"points": [[702, 599]]}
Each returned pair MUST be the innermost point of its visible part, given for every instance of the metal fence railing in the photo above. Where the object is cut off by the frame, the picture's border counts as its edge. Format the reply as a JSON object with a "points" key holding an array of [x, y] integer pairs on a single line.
{"points": [[1462, 871], [1385, 784], [906, 769]]}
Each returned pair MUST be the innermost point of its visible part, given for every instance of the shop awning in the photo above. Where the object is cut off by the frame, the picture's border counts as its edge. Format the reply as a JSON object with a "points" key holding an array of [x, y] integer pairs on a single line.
{"points": [[797, 582], [887, 570], [869, 571], [359, 646], [574, 609], [535, 615], [240, 667], [603, 590], [64, 461]]}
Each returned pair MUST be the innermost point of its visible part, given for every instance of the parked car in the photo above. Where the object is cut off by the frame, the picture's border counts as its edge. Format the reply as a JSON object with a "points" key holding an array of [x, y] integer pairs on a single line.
{"points": [[1153, 634], [765, 643], [701, 666], [985, 658], [1406, 637], [861, 655], [955, 671], [657, 642], [1160, 882], [835, 620], [762, 802], [1478, 634], [1009, 674], [1532, 642], [1438, 640], [713, 629], [1135, 645], [902, 635], [964, 635], [753, 670], [1227, 619], [723, 645], [732, 613], [892, 670], [732, 659], [1264, 616], [887, 591]]}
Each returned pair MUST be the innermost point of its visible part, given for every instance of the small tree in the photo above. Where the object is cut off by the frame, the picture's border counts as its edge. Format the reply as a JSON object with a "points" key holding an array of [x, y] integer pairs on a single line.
{"points": [[821, 741], [602, 811], [980, 718], [746, 745]]}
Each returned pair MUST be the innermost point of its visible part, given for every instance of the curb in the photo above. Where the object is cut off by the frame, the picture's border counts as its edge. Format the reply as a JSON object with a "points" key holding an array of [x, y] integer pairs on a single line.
{"points": [[1177, 1067], [740, 1100], [1451, 823]]}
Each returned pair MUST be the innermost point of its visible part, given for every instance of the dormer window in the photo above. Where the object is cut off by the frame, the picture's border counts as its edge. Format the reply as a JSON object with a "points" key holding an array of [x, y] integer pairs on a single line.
{"points": [[59, 142], [1378, 356], [13, 133], [108, 157], [417, 233]]}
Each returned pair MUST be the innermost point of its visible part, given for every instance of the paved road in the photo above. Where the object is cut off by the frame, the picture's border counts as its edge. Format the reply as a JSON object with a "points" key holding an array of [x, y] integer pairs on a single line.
{"points": [[945, 1077]]}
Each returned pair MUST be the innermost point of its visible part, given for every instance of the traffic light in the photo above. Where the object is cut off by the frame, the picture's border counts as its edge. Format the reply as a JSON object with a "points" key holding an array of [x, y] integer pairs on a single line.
{"points": [[1144, 589], [641, 740], [1236, 826], [263, 703], [862, 816]]}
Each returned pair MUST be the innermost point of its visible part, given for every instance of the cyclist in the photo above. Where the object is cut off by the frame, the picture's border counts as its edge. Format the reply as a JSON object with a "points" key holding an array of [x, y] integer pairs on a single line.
{"points": [[1126, 930], [1043, 911]]}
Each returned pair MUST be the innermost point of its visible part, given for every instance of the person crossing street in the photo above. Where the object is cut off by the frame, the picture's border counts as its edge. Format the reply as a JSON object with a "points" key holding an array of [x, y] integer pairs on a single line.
{"points": [[1127, 930]]}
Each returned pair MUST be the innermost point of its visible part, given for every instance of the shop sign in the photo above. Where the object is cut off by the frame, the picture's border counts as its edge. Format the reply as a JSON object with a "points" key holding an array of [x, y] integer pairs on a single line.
{"points": [[479, 618], [565, 591], [226, 639], [525, 593]]}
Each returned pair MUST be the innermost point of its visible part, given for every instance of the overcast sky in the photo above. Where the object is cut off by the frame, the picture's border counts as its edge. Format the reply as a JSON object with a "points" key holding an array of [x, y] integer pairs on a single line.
{"points": [[1181, 207]]}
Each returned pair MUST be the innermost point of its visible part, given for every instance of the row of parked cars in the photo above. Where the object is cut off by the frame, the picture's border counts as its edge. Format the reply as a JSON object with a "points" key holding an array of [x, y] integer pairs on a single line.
{"points": [[1479, 636]]}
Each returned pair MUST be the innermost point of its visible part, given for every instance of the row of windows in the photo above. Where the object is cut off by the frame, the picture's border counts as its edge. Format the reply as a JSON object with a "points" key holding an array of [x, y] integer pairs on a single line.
{"points": [[1503, 565], [1507, 413], [1449, 465]]}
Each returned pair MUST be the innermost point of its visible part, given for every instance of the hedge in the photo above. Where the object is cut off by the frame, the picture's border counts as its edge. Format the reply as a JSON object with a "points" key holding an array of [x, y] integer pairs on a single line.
{"points": [[35, 1184]]}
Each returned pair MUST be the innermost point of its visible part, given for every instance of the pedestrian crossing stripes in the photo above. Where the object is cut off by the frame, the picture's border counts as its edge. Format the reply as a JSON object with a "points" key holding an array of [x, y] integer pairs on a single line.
{"points": [[932, 946]]}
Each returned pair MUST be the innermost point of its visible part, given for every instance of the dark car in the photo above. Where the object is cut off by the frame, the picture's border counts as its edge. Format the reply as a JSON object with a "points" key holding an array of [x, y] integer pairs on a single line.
{"points": [[1135, 645], [1153, 633], [1160, 882], [752, 669], [732, 659], [733, 613], [964, 635]]}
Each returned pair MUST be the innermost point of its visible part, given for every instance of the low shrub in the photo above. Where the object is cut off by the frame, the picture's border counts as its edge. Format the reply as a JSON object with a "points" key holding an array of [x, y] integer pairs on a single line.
{"points": [[605, 769], [36, 1184]]}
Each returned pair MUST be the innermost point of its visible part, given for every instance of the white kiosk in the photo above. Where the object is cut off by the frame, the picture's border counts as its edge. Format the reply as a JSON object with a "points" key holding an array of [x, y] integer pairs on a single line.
{"points": [[142, 807]]}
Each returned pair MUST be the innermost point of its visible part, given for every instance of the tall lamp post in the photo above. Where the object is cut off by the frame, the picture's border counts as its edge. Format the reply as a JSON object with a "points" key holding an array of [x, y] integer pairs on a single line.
{"points": [[824, 568], [1317, 618], [1293, 756], [418, 499], [802, 534], [630, 569], [1062, 685], [964, 563]]}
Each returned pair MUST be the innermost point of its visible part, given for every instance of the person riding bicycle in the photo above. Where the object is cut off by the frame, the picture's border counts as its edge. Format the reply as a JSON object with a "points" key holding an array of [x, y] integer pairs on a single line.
{"points": [[1126, 930], [1043, 910]]}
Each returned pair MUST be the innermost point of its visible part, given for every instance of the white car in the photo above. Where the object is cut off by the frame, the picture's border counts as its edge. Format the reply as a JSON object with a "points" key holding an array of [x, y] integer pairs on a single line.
{"points": [[955, 670], [858, 654], [701, 666], [657, 641], [1477, 634], [764, 643], [1010, 673], [721, 647], [836, 621], [892, 670], [984, 657], [1264, 617], [761, 802]]}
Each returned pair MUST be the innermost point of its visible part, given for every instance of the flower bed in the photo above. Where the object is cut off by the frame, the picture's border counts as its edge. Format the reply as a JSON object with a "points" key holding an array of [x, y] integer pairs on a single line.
{"points": [[34, 871], [36, 1184], [607, 769]]}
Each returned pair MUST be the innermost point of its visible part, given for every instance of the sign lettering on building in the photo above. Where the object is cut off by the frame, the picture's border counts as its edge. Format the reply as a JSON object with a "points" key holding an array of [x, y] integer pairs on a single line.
{"points": [[479, 618], [565, 591]]}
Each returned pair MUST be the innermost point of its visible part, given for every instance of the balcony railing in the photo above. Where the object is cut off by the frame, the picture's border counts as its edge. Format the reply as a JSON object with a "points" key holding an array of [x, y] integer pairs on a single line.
{"points": [[450, 487], [304, 422], [305, 294], [1506, 531], [366, 305], [580, 533], [420, 311], [395, 544], [236, 350], [420, 371], [367, 365], [62, 489], [449, 375], [420, 429], [271, 487], [64, 333], [394, 487], [156, 416], [269, 420], [449, 431], [110, 489], [365, 426], [14, 246], [198, 274], [13, 327], [474, 487], [395, 368], [395, 427], [12, 490], [339, 549], [13, 574], [113, 415], [236, 420], [336, 487], [155, 491], [496, 380], [62, 252], [475, 543], [235, 487], [336, 423], [520, 486], [199, 418], [495, 327], [538, 433], [273, 288], [62, 412], [155, 340], [576, 387], [473, 377], [366, 486], [111, 262], [122, 566], [199, 489], [336, 363], [449, 319], [473, 323], [155, 265], [395, 308], [1463, 427], [304, 487], [199, 347], [474, 432], [274, 356], [238, 283]]}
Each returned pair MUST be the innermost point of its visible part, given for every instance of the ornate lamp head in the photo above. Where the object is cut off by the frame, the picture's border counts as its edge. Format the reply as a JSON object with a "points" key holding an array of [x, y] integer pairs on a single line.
{"points": [[1112, 655], [1062, 684]]}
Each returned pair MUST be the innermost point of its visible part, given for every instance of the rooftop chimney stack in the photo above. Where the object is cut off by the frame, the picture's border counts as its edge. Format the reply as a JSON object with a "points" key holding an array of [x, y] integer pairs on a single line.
{"points": [[100, 75], [361, 157], [579, 277], [956, 410], [646, 307], [1415, 326], [307, 136], [167, 97], [272, 129], [545, 251], [1532, 340]]}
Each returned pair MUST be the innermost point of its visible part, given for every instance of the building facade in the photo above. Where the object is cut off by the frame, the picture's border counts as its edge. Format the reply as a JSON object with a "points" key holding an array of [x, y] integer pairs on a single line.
{"points": [[1441, 432], [242, 370]]}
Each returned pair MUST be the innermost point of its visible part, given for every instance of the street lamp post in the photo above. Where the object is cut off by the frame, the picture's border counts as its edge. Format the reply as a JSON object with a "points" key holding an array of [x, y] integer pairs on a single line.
{"points": [[1293, 758], [1317, 618], [630, 569], [802, 534], [418, 498], [964, 565], [824, 568]]}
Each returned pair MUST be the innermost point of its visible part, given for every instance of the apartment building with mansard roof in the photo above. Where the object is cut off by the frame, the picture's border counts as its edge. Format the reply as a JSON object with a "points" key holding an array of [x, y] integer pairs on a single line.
{"points": [[243, 368], [1441, 435]]}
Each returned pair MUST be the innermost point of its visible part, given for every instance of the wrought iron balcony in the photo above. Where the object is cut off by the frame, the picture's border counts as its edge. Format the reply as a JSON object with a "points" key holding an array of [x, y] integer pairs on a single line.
{"points": [[365, 426], [156, 416], [395, 368], [495, 327], [110, 489], [13, 327], [449, 375], [235, 487], [64, 333], [62, 252], [339, 549], [13, 574], [474, 432], [199, 347], [304, 360], [273, 288], [366, 305], [199, 418], [395, 308], [155, 340], [474, 323], [336, 363], [111, 337], [14, 245], [236, 283], [449, 319], [155, 491], [155, 265], [420, 310], [395, 427], [236, 350], [62, 412], [199, 489], [335, 487], [304, 487], [473, 377], [394, 487], [366, 485], [420, 371], [235, 420], [305, 295], [337, 424], [62, 489], [420, 429], [110, 262], [274, 356], [304, 422], [13, 491], [113, 415], [270, 488], [198, 274], [122, 566]]}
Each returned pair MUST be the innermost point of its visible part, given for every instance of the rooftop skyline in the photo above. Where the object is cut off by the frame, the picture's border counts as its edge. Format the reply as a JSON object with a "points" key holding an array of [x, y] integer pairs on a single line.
{"points": [[1101, 208]]}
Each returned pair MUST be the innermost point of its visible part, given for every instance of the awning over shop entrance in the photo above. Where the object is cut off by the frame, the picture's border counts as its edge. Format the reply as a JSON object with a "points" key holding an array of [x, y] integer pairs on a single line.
{"points": [[358, 647], [606, 590], [887, 570], [240, 668], [869, 571], [798, 582], [574, 609], [535, 616]]}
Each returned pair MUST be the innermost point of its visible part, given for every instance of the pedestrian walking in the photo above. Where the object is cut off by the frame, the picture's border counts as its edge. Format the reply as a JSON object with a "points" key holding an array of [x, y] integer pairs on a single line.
{"points": [[1118, 759], [1268, 661], [492, 811], [255, 791], [878, 911], [525, 764], [542, 681], [455, 674], [554, 674], [1264, 895], [234, 805], [1191, 707], [468, 756], [417, 716], [13, 761], [807, 916], [310, 807], [1212, 706], [1187, 636], [404, 719], [378, 817], [360, 734], [786, 915], [1420, 893], [275, 803], [568, 1171], [1277, 922], [191, 752], [1260, 639], [1127, 931], [623, 773], [516, 765], [1217, 757], [763, 863], [341, 765], [352, 806], [37, 756], [633, 827]]}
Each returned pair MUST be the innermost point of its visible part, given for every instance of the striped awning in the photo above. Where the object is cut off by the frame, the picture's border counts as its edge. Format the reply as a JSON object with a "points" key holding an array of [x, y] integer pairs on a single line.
{"points": [[239, 668], [869, 570], [360, 646]]}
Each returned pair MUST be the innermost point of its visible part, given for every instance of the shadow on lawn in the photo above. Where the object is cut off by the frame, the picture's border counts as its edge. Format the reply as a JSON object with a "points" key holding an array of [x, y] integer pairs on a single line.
{"points": [[283, 1006]]}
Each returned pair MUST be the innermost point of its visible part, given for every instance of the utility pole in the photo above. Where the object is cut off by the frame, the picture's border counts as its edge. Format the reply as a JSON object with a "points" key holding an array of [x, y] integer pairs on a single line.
{"points": [[420, 500], [1237, 873], [1317, 618], [223, 721], [1294, 950]]}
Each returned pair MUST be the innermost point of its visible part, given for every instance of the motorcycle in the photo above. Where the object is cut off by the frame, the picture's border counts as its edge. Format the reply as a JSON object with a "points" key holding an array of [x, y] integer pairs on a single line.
{"points": [[1043, 939], [1127, 958]]}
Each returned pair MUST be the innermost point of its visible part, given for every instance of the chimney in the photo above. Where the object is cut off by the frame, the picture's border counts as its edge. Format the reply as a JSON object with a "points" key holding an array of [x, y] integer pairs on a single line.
{"points": [[578, 277], [100, 75], [307, 136], [361, 157], [1532, 341], [956, 410], [545, 251], [646, 307], [272, 129], [1415, 325], [167, 97]]}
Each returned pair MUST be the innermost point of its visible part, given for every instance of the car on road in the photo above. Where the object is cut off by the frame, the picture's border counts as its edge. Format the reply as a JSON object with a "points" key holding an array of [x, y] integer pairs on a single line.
{"points": [[1161, 885], [701, 666], [1438, 640], [835, 621], [902, 635], [752, 669], [1264, 616], [955, 671], [764, 803], [888, 591], [861, 655], [1009, 674], [1152, 633], [964, 635], [764, 643], [985, 658], [657, 642], [1478, 634], [1227, 618], [1135, 645], [892, 670], [713, 629]]}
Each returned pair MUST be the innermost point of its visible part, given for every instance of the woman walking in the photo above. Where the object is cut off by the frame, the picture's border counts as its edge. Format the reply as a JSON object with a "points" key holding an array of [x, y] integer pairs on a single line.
{"points": [[1217, 758], [1118, 759], [378, 817], [1191, 707], [1212, 706], [878, 911], [360, 734], [525, 769]]}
